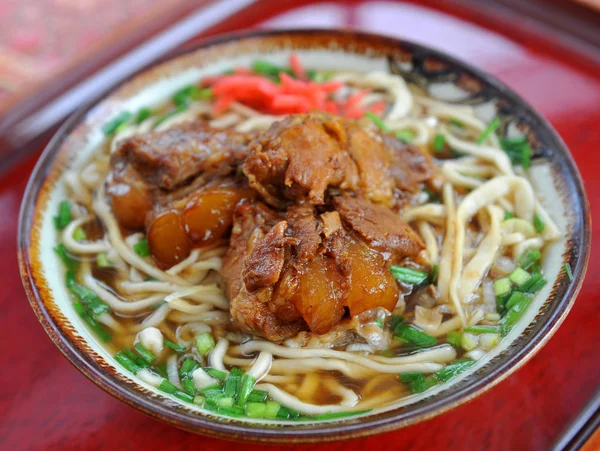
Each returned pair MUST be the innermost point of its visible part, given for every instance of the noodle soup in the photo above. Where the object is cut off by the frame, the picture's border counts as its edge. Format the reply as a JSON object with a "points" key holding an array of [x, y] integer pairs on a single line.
{"points": [[288, 243]]}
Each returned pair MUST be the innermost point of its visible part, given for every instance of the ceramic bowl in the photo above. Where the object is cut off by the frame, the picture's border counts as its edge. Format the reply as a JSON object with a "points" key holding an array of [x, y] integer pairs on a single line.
{"points": [[554, 174]]}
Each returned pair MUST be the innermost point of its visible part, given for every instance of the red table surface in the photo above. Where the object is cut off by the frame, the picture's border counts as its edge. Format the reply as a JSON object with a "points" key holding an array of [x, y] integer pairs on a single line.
{"points": [[45, 403]]}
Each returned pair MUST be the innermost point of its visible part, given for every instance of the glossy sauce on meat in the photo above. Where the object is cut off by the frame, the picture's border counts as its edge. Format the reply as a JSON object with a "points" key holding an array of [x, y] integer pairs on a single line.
{"points": [[308, 208]]}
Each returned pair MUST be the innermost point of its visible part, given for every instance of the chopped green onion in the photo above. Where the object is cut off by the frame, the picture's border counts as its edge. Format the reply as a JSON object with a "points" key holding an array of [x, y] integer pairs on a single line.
{"points": [[434, 274], [415, 381], [533, 285], [453, 369], [102, 261], [514, 313], [481, 329], [407, 275], [86, 296], [438, 142], [468, 341], [203, 94], [538, 223], [212, 391], [568, 271], [94, 325], [79, 234], [508, 215], [141, 248], [217, 374], [135, 358], [64, 215], [379, 322], [65, 257], [518, 150], [188, 386], [234, 411], [161, 369], [185, 95], [411, 334], [205, 343], [144, 353], [491, 128], [405, 136], [198, 400], [188, 367], [285, 413], [170, 114], [338, 415], [454, 338], [267, 69], [111, 127], [515, 298], [272, 410], [527, 259], [395, 320], [258, 396], [456, 123], [502, 286], [127, 363], [246, 388], [168, 387], [226, 401], [142, 115], [377, 121], [256, 409], [174, 346], [233, 383], [432, 196], [321, 77], [519, 277]]}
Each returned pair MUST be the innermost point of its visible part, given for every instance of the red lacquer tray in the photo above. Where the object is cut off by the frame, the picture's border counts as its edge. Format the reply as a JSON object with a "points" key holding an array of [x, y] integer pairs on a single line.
{"points": [[45, 403]]}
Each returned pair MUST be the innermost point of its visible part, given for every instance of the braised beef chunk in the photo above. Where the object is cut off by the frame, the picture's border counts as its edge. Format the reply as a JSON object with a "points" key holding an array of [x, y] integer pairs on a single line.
{"points": [[299, 157], [255, 310], [195, 218], [323, 245], [380, 227], [130, 195], [303, 155], [166, 159], [265, 262]]}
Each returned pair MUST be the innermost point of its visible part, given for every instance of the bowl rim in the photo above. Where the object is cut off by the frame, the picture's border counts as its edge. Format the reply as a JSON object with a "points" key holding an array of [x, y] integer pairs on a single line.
{"points": [[322, 432]]}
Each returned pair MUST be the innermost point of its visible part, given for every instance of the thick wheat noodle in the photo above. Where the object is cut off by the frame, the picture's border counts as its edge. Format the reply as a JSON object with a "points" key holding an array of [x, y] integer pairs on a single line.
{"points": [[432, 103], [396, 86], [304, 365], [111, 300], [191, 259], [435, 213], [191, 327], [453, 175], [431, 244], [154, 319], [531, 243], [211, 293], [349, 398], [213, 317], [215, 358], [486, 153], [193, 309], [308, 387], [294, 403], [114, 235], [108, 320], [466, 119], [471, 204], [282, 351], [478, 266], [439, 354], [421, 133], [81, 248], [512, 239], [448, 248], [253, 123], [261, 366]]}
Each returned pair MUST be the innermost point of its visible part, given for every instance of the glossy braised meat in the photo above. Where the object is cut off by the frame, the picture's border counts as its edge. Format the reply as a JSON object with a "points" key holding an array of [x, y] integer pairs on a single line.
{"points": [[153, 163], [299, 271], [379, 227], [302, 156]]}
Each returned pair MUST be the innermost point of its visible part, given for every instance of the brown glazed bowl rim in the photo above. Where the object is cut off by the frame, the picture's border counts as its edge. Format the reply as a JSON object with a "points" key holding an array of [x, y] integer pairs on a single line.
{"points": [[523, 348]]}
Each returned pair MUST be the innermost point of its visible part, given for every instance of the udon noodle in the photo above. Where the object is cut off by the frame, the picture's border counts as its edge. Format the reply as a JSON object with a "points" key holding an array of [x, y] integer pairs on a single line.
{"points": [[481, 233]]}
